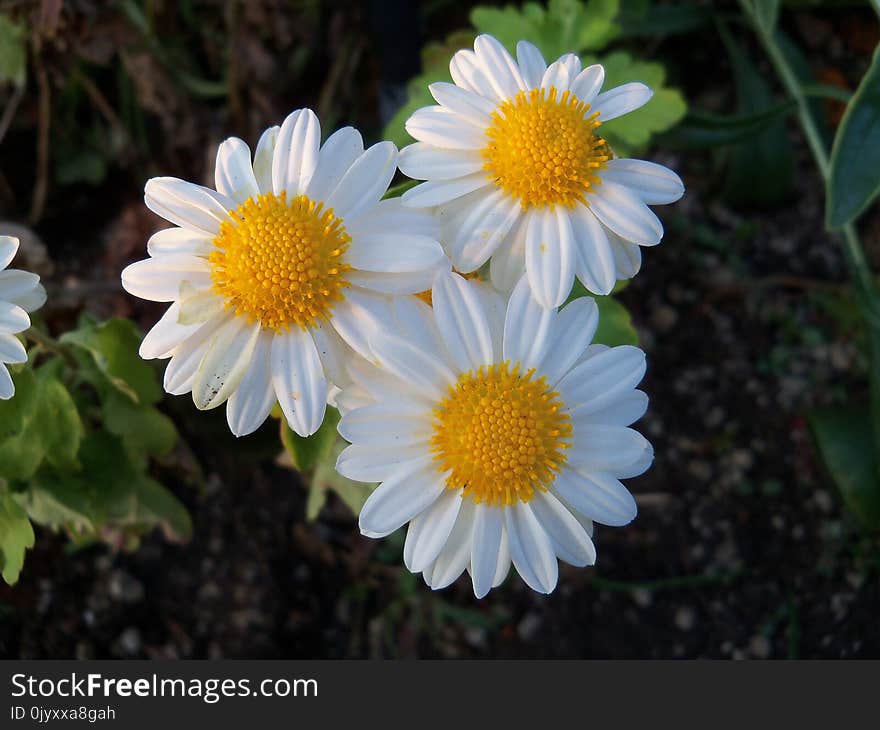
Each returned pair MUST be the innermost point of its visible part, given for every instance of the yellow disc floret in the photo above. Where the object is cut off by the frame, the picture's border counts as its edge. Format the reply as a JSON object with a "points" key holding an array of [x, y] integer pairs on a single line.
{"points": [[542, 148], [503, 434], [281, 262]]}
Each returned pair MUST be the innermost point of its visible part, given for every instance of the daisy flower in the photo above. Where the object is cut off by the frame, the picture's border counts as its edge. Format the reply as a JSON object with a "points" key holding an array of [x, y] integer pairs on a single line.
{"points": [[497, 435], [277, 276], [514, 157], [20, 293]]}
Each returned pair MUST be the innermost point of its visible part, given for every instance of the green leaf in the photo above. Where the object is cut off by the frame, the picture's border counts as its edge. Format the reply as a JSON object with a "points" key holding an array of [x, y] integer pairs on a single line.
{"points": [[16, 536], [155, 505], [326, 478], [615, 324], [767, 14], [659, 20], [13, 52], [16, 412], [699, 130], [855, 157], [844, 439], [56, 423], [631, 133], [306, 452], [769, 151], [113, 345], [144, 429]]}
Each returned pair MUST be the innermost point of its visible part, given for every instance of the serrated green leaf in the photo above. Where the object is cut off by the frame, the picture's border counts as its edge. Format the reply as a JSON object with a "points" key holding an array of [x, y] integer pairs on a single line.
{"points": [[15, 412], [56, 423], [631, 133], [844, 439], [144, 429], [13, 52], [307, 452], [855, 157], [20, 454], [16, 536], [113, 345]]}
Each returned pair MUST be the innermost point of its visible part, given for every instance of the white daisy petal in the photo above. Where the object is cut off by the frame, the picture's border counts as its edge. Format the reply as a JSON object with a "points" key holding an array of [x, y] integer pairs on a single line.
{"points": [[527, 328], [429, 531], [485, 545], [13, 319], [358, 316], [531, 64], [394, 252], [299, 381], [572, 331], [627, 257], [621, 100], [11, 349], [160, 279], [264, 157], [233, 172], [386, 425], [15, 284], [224, 363], [411, 282], [7, 387], [411, 364], [596, 266], [372, 464], [8, 248], [197, 305], [442, 128], [413, 487], [296, 153], [187, 204], [503, 566], [249, 406], [570, 541], [456, 553], [337, 154], [166, 334], [462, 322], [423, 161], [501, 70], [600, 380], [366, 181], [481, 231], [653, 183], [530, 548], [469, 106], [624, 213], [185, 358], [598, 495], [508, 263], [179, 240], [556, 76], [415, 322], [31, 300], [551, 256], [638, 467], [624, 410], [438, 192], [601, 447], [391, 214], [587, 83], [333, 352], [467, 72]]}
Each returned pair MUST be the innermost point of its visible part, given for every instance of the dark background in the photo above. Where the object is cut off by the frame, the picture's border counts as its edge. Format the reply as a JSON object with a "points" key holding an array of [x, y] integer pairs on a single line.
{"points": [[742, 547]]}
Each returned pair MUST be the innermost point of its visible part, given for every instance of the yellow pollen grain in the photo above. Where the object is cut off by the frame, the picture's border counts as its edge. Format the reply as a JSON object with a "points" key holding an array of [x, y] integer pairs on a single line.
{"points": [[542, 148], [280, 262], [502, 433]]}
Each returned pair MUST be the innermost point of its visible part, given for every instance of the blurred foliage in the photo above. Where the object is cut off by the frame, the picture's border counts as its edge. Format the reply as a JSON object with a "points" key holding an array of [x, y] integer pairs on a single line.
{"points": [[78, 442], [564, 26], [13, 54]]}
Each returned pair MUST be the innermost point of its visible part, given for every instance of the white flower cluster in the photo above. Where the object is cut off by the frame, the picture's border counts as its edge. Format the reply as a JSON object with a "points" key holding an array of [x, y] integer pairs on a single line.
{"points": [[497, 431]]}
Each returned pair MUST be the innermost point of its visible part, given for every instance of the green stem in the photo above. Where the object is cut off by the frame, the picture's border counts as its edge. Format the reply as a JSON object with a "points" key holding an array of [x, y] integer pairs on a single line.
{"points": [[853, 252], [51, 345]]}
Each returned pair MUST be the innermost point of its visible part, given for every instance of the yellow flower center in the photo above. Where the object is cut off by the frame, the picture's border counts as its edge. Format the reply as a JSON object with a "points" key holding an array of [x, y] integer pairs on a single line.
{"points": [[281, 262], [542, 148], [503, 434]]}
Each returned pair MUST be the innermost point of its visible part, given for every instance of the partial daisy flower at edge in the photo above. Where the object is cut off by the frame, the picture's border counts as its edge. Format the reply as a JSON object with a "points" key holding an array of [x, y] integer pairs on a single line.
{"points": [[277, 277], [20, 293], [494, 448], [514, 158]]}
